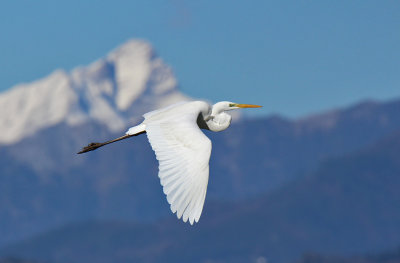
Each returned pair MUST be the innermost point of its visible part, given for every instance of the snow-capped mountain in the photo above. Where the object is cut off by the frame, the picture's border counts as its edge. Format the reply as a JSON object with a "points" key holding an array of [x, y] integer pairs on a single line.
{"points": [[129, 81]]}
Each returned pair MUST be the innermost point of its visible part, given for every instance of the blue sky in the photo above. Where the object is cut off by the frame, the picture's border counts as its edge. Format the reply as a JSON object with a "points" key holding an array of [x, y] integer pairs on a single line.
{"points": [[293, 57]]}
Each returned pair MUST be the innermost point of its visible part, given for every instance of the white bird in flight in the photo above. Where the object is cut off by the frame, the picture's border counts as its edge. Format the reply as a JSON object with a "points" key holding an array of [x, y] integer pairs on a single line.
{"points": [[182, 149]]}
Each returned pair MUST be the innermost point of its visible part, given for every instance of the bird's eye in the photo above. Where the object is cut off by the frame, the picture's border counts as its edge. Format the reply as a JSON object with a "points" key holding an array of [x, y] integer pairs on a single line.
{"points": [[232, 104]]}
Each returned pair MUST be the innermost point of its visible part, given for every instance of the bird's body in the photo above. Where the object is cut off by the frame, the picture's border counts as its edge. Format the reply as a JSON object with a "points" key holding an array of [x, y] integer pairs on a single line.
{"points": [[182, 149]]}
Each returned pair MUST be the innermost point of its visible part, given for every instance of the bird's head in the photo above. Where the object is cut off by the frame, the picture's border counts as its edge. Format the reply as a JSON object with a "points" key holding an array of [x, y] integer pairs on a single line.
{"points": [[227, 105], [219, 120]]}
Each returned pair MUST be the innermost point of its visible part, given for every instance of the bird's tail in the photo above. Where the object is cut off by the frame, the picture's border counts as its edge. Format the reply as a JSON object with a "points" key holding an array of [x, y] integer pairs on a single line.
{"points": [[134, 131]]}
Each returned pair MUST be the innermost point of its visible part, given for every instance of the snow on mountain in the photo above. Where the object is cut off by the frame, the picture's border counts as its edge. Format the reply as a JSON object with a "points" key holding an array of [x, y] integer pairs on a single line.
{"points": [[115, 91]]}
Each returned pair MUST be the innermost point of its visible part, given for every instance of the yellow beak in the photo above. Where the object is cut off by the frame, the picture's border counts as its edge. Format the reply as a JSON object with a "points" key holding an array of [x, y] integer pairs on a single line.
{"points": [[247, 106]]}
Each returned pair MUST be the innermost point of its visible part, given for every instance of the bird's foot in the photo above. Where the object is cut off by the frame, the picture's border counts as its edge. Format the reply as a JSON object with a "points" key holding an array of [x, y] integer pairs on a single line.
{"points": [[91, 146]]}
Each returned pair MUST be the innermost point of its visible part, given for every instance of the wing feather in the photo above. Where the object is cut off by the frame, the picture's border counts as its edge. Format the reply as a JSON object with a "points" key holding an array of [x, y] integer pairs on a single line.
{"points": [[183, 152]]}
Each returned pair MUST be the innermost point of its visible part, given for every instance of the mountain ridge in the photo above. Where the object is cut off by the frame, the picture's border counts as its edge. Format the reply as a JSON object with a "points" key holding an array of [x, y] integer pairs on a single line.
{"points": [[251, 158]]}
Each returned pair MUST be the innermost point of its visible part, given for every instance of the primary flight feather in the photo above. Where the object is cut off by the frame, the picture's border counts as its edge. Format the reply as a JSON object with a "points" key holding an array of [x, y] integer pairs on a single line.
{"points": [[182, 149]]}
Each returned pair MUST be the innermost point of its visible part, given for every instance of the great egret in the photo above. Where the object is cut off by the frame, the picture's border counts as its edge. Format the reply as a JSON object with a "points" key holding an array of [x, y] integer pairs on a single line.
{"points": [[183, 151]]}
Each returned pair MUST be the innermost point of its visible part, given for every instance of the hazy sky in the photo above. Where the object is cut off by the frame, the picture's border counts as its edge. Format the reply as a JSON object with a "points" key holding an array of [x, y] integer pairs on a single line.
{"points": [[293, 57]]}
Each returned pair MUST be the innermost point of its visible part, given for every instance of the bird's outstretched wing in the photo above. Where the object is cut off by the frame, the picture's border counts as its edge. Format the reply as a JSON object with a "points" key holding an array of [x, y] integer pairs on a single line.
{"points": [[183, 152]]}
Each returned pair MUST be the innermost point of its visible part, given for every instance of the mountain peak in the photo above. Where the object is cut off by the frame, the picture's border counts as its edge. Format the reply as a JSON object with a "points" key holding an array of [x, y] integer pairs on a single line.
{"points": [[126, 83], [132, 48]]}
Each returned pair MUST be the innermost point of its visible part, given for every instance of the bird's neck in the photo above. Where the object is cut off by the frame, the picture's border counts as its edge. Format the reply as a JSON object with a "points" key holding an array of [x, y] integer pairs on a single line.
{"points": [[219, 122]]}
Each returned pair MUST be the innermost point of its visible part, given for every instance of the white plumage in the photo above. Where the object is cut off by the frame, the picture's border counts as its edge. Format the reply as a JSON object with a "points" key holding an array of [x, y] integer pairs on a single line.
{"points": [[182, 149]]}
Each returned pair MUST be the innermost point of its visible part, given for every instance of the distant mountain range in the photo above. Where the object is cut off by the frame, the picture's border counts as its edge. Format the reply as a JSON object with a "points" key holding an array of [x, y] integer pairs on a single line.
{"points": [[278, 187], [349, 205]]}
